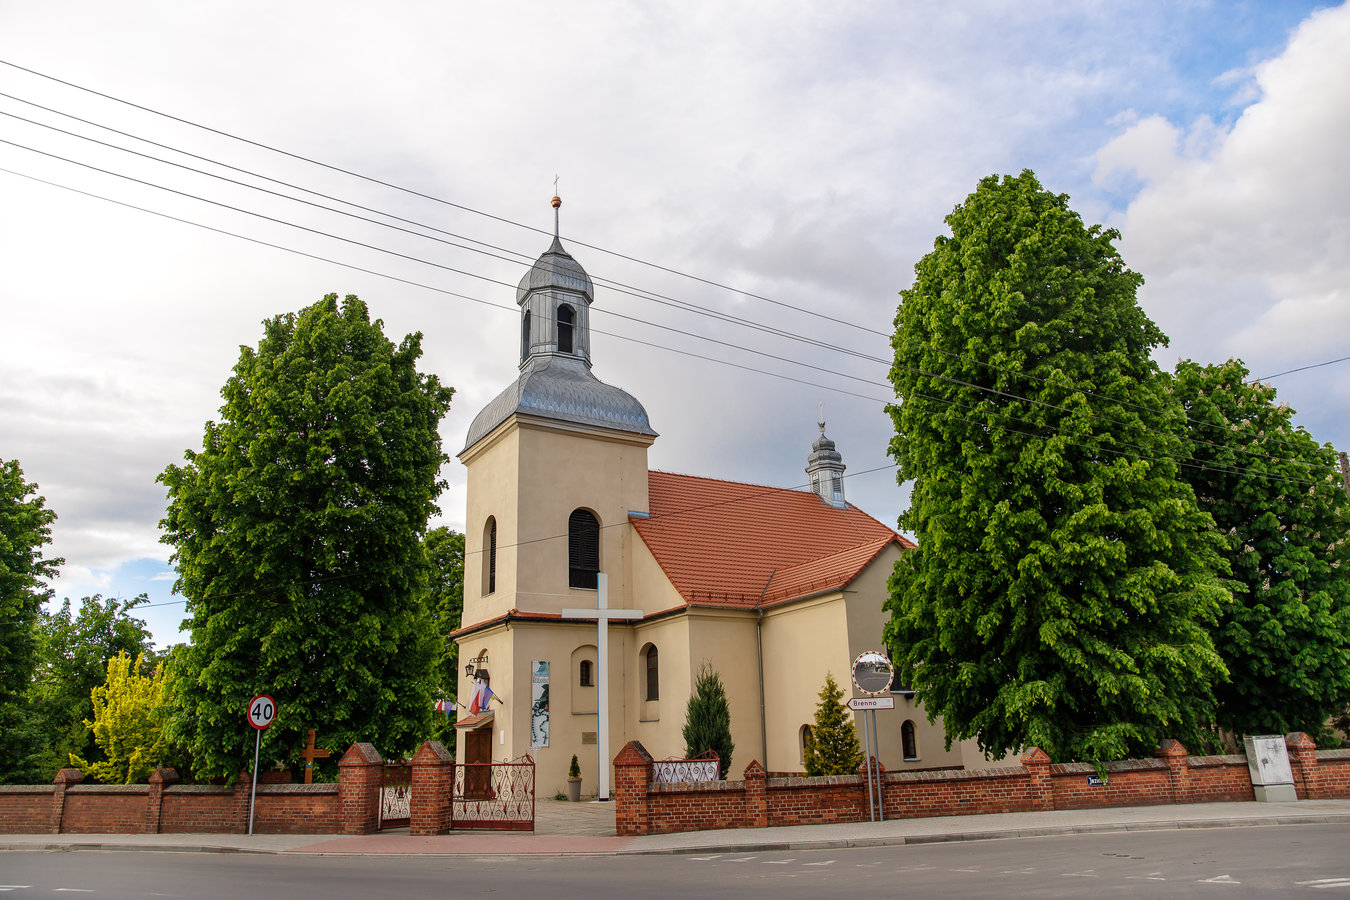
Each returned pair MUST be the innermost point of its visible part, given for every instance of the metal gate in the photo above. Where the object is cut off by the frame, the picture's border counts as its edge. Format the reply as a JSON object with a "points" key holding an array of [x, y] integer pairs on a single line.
{"points": [[494, 796], [396, 794]]}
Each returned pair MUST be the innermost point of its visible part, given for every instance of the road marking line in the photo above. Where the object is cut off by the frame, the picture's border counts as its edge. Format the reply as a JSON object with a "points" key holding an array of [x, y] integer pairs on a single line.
{"points": [[1151, 876], [1325, 883], [73, 890], [706, 858], [742, 859], [828, 862], [1027, 870], [963, 870], [1086, 873], [1220, 879], [778, 862]]}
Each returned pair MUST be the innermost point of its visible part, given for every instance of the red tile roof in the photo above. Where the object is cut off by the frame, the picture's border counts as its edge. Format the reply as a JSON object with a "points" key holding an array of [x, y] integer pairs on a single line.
{"points": [[719, 541]]}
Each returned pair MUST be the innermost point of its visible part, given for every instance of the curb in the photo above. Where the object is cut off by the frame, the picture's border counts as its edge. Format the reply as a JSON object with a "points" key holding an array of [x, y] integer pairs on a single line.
{"points": [[746, 847]]}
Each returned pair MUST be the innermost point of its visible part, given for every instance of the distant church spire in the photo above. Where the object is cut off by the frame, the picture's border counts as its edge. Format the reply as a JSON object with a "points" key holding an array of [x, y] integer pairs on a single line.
{"points": [[825, 467]]}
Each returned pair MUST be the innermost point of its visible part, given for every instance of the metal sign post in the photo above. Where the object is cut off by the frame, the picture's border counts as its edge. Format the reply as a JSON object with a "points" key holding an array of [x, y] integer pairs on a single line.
{"points": [[262, 710], [872, 674]]}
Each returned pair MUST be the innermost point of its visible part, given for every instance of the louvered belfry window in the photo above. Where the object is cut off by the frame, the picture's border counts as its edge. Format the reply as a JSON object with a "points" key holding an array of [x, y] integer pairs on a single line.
{"points": [[566, 320], [583, 549]]}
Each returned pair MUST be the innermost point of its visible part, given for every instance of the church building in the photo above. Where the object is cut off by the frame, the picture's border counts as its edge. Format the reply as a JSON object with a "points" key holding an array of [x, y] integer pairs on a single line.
{"points": [[774, 588]]}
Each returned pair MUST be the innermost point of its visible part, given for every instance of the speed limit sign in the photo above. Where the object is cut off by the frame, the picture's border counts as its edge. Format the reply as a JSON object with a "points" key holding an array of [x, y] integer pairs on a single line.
{"points": [[261, 711]]}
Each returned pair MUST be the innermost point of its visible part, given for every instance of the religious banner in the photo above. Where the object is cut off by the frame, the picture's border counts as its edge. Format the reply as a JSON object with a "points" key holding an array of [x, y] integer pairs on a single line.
{"points": [[539, 703]]}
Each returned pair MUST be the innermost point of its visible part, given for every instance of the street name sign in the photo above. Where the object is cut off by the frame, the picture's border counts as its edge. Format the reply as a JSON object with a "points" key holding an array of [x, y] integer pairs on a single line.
{"points": [[872, 703]]}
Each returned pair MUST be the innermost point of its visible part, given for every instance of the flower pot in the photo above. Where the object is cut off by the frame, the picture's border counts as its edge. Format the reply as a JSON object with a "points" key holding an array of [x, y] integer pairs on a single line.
{"points": [[574, 789]]}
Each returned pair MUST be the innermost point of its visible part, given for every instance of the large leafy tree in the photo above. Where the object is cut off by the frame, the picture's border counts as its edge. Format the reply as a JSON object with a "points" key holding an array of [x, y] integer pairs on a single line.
{"points": [[25, 529], [1064, 578], [445, 556], [832, 746], [297, 538], [1279, 506], [707, 719], [74, 652]]}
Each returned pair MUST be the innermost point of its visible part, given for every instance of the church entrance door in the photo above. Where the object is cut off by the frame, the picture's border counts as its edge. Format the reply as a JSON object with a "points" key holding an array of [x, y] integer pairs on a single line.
{"points": [[478, 763]]}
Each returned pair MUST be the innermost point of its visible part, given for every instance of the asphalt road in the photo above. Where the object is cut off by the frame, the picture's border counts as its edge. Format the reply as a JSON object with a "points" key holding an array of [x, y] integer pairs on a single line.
{"points": [[1311, 860]]}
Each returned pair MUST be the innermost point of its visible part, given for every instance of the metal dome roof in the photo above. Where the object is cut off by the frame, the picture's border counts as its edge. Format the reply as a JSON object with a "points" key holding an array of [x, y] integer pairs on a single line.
{"points": [[555, 269], [561, 387]]}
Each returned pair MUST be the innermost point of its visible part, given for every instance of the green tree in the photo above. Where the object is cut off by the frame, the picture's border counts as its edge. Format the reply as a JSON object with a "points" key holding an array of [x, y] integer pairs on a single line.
{"points": [[25, 528], [297, 539], [1065, 577], [832, 746], [707, 719], [445, 554], [74, 651], [1280, 509], [130, 710]]}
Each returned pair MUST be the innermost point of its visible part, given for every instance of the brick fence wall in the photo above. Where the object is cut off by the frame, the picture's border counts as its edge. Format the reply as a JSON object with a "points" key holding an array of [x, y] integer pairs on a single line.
{"points": [[162, 806], [761, 800]]}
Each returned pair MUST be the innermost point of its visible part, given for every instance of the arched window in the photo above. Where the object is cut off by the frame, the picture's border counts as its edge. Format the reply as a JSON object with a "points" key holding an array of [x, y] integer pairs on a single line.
{"points": [[653, 674], [586, 679], [566, 321], [803, 738], [490, 555], [525, 336], [583, 549], [907, 742]]}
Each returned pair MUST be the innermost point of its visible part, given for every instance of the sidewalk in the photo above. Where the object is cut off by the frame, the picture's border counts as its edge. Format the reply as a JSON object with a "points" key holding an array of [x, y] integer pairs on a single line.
{"points": [[588, 829]]}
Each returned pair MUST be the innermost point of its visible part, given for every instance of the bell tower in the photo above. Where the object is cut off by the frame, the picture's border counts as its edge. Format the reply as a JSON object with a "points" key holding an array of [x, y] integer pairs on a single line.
{"points": [[555, 299], [825, 467]]}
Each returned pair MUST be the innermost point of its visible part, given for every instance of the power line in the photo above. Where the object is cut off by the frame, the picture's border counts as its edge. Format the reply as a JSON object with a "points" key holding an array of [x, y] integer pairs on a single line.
{"points": [[928, 397], [1299, 369], [578, 242], [961, 382]]}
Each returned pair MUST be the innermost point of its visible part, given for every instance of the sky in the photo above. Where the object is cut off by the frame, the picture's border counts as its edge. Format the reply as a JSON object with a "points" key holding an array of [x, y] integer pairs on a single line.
{"points": [[781, 163]]}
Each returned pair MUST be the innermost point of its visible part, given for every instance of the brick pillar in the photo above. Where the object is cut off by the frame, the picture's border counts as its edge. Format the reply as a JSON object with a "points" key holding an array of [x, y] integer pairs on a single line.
{"points": [[64, 778], [1303, 762], [243, 790], [1178, 771], [756, 795], [159, 780], [1037, 763], [433, 778], [360, 777], [632, 776]]}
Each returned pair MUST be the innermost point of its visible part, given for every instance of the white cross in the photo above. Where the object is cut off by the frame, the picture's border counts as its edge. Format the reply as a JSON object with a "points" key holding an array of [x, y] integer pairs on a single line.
{"points": [[602, 615]]}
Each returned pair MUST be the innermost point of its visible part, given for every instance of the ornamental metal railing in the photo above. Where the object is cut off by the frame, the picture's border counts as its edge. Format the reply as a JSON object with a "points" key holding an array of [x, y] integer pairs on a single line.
{"points": [[704, 767], [495, 796], [396, 794]]}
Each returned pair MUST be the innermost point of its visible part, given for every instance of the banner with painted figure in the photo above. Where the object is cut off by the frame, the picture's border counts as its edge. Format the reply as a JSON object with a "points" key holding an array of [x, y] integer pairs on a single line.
{"points": [[539, 703]]}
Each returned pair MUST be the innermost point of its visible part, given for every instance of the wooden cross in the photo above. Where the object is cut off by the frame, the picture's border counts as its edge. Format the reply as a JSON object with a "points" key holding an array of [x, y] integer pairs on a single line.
{"points": [[309, 754]]}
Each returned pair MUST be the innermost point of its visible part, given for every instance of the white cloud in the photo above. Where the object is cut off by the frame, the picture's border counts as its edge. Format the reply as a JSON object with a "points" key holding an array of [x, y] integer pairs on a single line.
{"points": [[1242, 234]]}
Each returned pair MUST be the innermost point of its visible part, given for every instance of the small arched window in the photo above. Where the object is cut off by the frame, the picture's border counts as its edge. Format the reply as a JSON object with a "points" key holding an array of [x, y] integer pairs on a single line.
{"points": [[525, 335], [803, 740], [907, 742], [490, 555], [653, 674], [586, 678], [583, 549], [566, 323]]}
